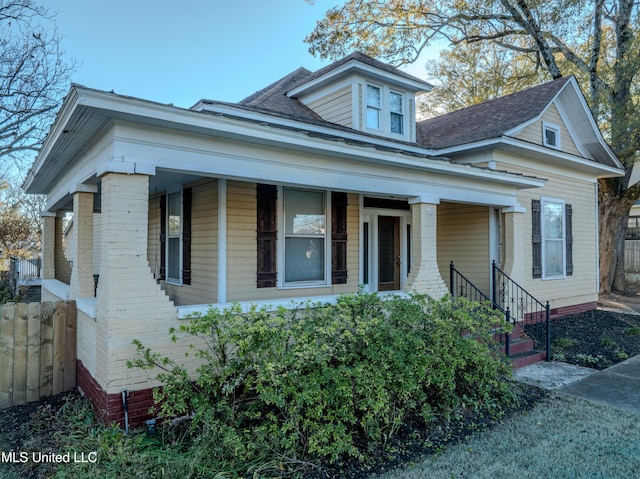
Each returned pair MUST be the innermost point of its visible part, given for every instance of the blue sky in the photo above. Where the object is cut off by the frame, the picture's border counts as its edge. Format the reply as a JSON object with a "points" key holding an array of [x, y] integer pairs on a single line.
{"points": [[180, 52]]}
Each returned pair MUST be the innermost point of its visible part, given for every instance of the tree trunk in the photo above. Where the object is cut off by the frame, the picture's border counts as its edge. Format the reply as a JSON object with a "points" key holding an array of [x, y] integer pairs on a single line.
{"points": [[614, 214]]}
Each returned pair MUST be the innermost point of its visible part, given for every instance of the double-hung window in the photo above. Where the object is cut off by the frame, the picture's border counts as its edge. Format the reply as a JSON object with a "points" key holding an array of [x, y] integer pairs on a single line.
{"points": [[174, 232], [304, 236], [374, 107], [397, 113], [553, 238]]}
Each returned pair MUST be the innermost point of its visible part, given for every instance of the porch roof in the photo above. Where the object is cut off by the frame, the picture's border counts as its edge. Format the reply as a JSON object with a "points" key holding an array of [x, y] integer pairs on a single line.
{"points": [[87, 113]]}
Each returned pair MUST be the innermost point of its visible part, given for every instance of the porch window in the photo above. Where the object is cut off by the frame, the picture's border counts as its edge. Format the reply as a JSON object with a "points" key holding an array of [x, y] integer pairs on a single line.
{"points": [[305, 236], [174, 231]]}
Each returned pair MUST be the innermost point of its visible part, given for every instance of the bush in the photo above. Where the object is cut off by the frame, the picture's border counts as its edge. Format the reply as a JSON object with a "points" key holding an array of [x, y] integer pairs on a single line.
{"points": [[279, 388]]}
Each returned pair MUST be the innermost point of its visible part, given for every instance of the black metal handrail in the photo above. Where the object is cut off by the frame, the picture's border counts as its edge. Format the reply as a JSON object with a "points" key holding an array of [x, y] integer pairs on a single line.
{"points": [[461, 286], [527, 311]]}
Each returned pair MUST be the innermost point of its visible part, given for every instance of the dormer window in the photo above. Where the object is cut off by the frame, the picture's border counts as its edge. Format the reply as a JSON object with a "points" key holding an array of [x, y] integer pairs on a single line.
{"points": [[374, 107], [397, 115], [551, 135]]}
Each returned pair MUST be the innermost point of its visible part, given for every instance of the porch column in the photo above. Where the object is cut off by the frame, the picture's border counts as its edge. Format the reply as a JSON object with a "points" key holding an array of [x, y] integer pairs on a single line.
{"points": [[48, 245], [514, 243], [130, 304], [424, 276], [62, 266], [81, 284]]}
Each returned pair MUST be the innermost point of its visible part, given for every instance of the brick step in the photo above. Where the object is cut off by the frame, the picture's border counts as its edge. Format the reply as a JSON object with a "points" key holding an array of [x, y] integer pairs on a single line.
{"points": [[519, 345], [527, 358]]}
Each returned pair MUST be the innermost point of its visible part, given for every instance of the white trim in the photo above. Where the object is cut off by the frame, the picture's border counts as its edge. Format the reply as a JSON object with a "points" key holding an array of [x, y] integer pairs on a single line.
{"points": [[546, 126], [544, 200], [222, 240], [356, 65], [510, 142], [196, 310], [168, 280], [281, 242]]}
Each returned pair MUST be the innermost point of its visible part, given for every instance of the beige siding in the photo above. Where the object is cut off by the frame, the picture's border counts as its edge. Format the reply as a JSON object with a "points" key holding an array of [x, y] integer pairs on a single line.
{"points": [[533, 132], [581, 287], [463, 237], [241, 250], [204, 246], [335, 107]]}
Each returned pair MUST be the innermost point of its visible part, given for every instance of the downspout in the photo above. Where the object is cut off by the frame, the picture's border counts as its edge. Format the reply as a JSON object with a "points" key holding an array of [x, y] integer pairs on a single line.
{"points": [[597, 238]]}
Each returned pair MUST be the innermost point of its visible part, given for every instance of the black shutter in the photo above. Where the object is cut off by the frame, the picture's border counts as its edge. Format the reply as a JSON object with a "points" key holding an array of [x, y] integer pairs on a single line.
{"points": [[536, 238], [338, 238], [266, 235], [163, 238], [186, 235], [568, 213]]}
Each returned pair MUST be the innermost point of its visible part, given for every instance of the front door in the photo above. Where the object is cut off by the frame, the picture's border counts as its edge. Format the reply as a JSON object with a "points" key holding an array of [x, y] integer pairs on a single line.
{"points": [[388, 253]]}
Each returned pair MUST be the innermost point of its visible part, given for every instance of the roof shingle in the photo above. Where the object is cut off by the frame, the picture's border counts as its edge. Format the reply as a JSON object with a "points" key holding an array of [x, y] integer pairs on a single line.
{"points": [[487, 120]]}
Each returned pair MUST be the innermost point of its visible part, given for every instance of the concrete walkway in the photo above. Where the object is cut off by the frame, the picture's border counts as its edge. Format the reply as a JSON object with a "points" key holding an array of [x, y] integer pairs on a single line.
{"points": [[617, 386]]}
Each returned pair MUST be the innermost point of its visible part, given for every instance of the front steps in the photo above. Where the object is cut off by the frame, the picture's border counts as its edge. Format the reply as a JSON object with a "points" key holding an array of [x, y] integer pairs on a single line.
{"points": [[521, 349]]}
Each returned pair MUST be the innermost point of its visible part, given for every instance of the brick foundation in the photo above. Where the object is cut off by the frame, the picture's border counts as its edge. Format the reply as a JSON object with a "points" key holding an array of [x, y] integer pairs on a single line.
{"points": [[573, 309], [108, 407]]}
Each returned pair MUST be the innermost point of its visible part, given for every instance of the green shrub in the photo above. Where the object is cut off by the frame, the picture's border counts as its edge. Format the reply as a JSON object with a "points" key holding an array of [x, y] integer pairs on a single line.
{"points": [[315, 382]]}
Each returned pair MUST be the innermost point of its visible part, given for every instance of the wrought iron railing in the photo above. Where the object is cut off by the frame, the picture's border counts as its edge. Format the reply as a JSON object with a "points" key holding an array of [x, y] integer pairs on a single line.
{"points": [[519, 307], [461, 287], [526, 311]]}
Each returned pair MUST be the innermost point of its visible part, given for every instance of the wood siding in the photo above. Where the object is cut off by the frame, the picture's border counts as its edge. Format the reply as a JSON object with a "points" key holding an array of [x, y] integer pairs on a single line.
{"points": [[463, 237], [241, 250], [204, 246], [533, 132], [335, 107], [582, 286]]}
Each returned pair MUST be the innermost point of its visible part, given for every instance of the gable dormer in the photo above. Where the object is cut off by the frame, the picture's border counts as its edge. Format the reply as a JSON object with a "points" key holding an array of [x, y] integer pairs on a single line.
{"points": [[364, 94]]}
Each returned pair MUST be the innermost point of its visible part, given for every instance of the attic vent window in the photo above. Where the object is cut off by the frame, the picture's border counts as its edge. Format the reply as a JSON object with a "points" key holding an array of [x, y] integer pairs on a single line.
{"points": [[551, 135], [374, 106]]}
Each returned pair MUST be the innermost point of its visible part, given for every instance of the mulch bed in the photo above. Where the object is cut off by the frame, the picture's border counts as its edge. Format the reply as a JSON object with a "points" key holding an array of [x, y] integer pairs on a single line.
{"points": [[596, 339]]}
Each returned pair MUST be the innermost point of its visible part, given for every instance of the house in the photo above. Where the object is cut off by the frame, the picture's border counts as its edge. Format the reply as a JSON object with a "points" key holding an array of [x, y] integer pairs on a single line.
{"points": [[309, 188]]}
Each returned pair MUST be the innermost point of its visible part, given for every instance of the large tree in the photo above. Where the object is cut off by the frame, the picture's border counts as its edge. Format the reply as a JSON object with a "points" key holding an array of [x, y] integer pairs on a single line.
{"points": [[597, 40], [33, 80]]}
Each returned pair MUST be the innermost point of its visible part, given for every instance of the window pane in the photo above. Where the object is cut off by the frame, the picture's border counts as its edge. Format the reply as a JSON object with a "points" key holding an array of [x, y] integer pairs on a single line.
{"points": [[373, 96], [373, 118], [396, 123], [550, 137], [396, 103], [304, 212], [553, 258], [174, 214], [173, 263], [553, 217], [304, 259]]}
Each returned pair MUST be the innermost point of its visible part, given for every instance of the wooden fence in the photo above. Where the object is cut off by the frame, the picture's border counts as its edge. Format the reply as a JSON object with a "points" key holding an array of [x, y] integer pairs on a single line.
{"points": [[37, 350], [632, 256]]}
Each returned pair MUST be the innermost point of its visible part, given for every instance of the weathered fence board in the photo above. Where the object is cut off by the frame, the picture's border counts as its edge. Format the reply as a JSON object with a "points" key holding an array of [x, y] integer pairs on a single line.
{"points": [[37, 351]]}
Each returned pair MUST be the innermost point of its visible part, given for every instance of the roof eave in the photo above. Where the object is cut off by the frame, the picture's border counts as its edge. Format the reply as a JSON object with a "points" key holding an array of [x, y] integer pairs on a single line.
{"points": [[598, 169]]}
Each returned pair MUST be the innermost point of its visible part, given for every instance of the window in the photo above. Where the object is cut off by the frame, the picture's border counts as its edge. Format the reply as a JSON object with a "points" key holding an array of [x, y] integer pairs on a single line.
{"points": [[397, 116], [374, 107], [551, 135], [305, 236], [552, 239], [174, 231]]}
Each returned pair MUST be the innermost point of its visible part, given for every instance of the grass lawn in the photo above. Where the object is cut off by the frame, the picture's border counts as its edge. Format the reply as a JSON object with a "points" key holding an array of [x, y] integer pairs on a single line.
{"points": [[561, 438]]}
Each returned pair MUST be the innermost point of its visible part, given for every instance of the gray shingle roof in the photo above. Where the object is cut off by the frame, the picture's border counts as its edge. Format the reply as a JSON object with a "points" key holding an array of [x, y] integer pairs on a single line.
{"points": [[487, 120]]}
